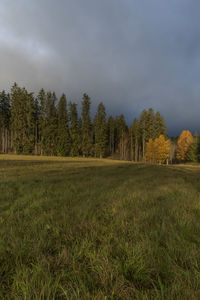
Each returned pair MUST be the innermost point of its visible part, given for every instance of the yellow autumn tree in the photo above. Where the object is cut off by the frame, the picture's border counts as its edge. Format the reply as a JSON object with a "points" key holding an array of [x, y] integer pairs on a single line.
{"points": [[157, 151], [150, 151], [162, 148], [183, 144]]}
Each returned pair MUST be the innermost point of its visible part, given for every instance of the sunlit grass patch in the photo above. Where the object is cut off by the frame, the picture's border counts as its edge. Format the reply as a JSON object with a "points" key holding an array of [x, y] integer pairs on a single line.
{"points": [[98, 229]]}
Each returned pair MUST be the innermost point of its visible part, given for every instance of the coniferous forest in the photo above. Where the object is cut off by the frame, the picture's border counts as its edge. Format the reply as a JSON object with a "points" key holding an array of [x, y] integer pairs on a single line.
{"points": [[45, 125]]}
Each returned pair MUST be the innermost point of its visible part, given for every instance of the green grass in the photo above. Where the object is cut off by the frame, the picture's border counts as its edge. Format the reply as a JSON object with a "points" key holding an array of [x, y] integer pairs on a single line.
{"points": [[98, 229]]}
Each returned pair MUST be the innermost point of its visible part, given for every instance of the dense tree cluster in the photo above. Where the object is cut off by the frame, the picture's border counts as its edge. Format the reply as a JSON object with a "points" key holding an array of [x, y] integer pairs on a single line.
{"points": [[188, 147], [45, 125], [157, 151]]}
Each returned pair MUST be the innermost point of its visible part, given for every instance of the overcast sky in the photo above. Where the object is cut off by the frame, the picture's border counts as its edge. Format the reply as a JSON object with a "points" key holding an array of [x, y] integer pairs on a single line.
{"points": [[129, 54]]}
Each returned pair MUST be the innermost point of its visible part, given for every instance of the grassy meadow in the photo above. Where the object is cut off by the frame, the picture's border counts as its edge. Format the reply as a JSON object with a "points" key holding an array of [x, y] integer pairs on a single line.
{"points": [[98, 229]]}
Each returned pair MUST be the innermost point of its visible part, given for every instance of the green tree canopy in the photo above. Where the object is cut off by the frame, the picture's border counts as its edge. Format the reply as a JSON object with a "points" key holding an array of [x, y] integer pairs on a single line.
{"points": [[100, 131]]}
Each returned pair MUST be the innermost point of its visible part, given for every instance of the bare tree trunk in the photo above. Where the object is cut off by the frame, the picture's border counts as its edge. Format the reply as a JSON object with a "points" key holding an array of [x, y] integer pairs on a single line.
{"points": [[131, 147], [6, 140], [1, 138], [3, 141]]}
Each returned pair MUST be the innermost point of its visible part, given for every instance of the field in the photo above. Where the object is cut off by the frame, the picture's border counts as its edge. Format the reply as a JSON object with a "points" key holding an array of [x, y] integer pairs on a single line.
{"points": [[98, 229]]}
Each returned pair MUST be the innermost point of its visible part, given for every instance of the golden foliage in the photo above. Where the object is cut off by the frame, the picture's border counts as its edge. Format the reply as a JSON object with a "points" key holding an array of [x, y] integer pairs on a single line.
{"points": [[157, 151], [184, 142], [150, 151]]}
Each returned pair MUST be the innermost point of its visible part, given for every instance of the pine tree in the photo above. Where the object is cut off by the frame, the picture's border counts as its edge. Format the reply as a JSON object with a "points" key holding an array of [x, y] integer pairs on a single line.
{"points": [[121, 136], [100, 134], [86, 127], [160, 126], [150, 125], [136, 139], [4, 122], [17, 118], [36, 126], [22, 120], [75, 130], [63, 135], [29, 138], [80, 135], [193, 151], [111, 134], [143, 131], [50, 126], [41, 103], [131, 138]]}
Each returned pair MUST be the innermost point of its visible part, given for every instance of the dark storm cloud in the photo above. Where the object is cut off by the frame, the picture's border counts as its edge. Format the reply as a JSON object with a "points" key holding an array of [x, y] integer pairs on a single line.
{"points": [[130, 54]]}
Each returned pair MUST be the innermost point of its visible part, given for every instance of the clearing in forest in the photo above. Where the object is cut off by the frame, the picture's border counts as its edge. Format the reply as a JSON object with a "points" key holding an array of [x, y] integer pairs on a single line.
{"points": [[73, 228]]}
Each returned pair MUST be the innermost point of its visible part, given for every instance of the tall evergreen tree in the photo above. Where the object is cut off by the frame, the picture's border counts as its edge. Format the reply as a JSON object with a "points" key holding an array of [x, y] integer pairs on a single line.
{"points": [[63, 135], [150, 125], [4, 121], [74, 130], [22, 120], [41, 103], [193, 151], [86, 127], [136, 139], [111, 134], [143, 131], [131, 137], [50, 126], [36, 126], [160, 126], [100, 133], [121, 135], [17, 118], [31, 115]]}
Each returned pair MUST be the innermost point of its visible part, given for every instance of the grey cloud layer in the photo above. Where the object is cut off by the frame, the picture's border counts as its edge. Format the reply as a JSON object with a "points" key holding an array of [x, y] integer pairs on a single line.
{"points": [[129, 54]]}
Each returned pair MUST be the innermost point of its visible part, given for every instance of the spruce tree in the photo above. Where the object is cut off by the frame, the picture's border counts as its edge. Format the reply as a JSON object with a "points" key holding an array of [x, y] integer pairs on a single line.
{"points": [[75, 130], [50, 126], [160, 126], [100, 133], [111, 134], [4, 122], [17, 118], [36, 126], [121, 135], [193, 151], [136, 139], [143, 131], [63, 136], [31, 114], [22, 120], [86, 127], [150, 125], [131, 137], [41, 102]]}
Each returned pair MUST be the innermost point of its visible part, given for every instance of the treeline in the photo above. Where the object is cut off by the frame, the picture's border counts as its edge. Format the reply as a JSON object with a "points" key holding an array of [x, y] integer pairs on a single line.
{"points": [[46, 125]]}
